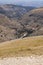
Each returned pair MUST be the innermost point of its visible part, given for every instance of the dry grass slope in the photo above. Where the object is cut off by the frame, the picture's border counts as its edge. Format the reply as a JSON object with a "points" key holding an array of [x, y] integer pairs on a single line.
{"points": [[22, 47]]}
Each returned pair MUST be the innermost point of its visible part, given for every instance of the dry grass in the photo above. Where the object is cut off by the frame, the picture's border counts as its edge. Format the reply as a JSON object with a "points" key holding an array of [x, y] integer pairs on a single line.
{"points": [[22, 47]]}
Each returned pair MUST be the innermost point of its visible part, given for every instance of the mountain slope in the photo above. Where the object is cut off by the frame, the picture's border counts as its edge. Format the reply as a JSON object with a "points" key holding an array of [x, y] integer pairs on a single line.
{"points": [[14, 11], [6, 33], [32, 22], [9, 17]]}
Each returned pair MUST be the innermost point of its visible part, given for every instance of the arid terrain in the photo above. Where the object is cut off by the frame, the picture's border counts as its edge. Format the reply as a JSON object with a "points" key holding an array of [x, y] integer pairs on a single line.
{"points": [[28, 51], [21, 35], [9, 21], [29, 23]]}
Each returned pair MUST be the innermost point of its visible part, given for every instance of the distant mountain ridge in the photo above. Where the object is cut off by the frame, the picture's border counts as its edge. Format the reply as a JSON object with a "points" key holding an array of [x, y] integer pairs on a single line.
{"points": [[14, 11]]}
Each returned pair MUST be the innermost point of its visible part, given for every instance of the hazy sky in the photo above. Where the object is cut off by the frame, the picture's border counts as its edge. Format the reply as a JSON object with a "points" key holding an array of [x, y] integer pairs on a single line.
{"points": [[23, 2], [18, 0]]}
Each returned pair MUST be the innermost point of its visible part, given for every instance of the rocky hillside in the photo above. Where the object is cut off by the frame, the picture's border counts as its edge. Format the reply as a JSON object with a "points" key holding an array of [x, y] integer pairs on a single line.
{"points": [[30, 24]]}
